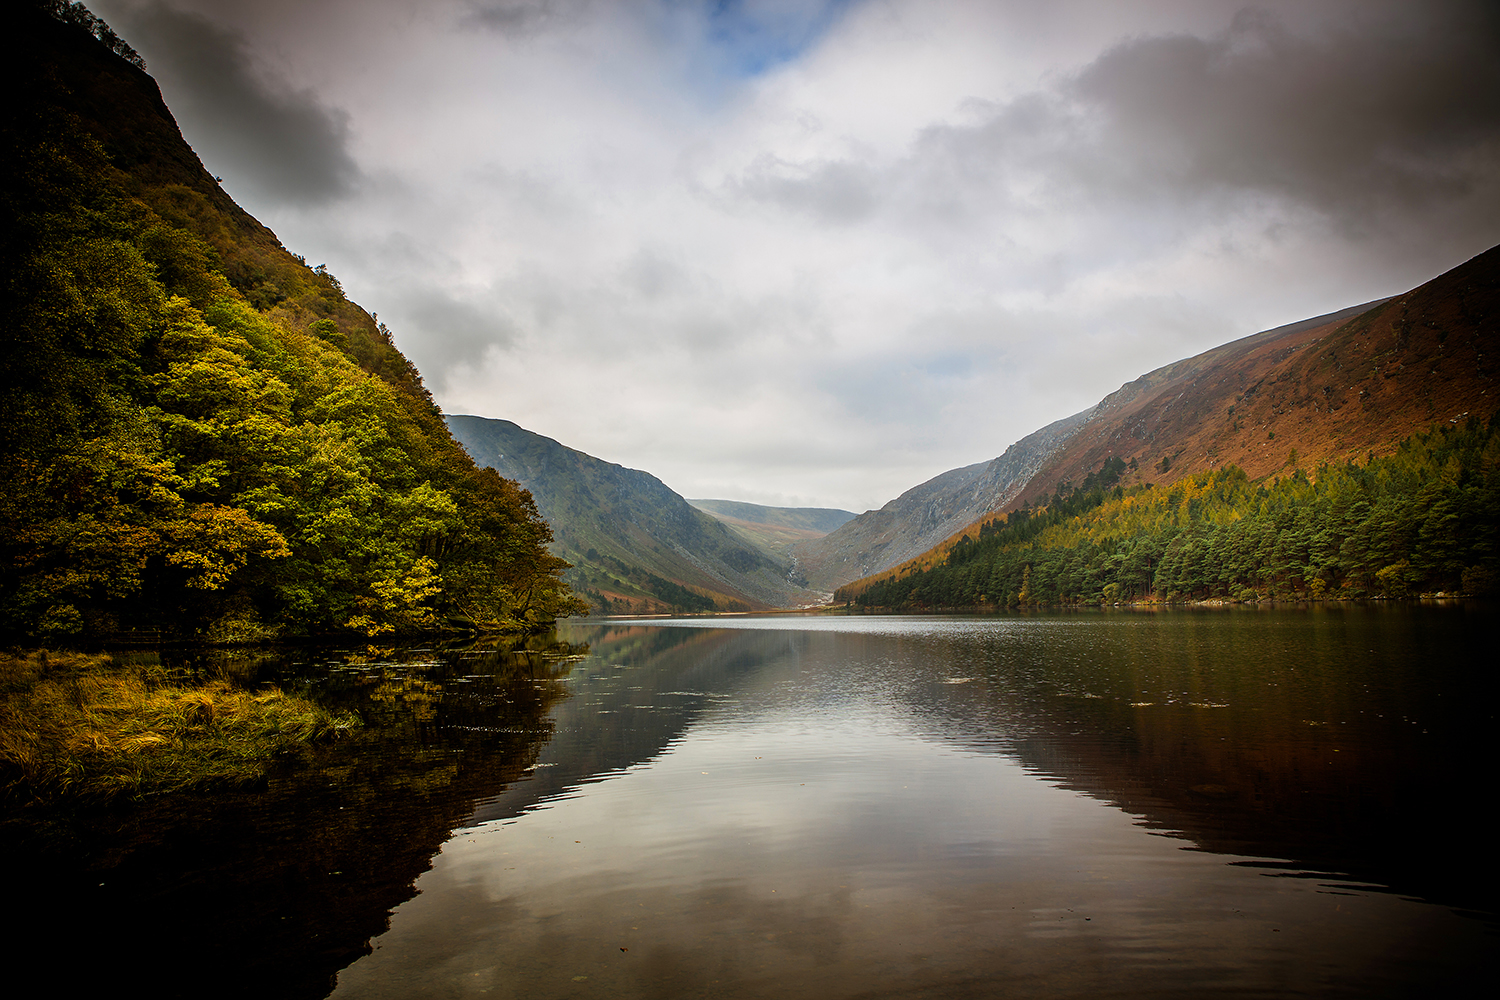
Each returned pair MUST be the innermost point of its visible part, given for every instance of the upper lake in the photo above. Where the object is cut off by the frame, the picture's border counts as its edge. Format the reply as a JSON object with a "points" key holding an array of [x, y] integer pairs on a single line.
{"points": [[1247, 802]]}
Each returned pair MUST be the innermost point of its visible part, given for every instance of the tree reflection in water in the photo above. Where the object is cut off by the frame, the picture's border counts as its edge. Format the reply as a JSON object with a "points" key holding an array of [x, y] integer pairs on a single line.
{"points": [[270, 891]]}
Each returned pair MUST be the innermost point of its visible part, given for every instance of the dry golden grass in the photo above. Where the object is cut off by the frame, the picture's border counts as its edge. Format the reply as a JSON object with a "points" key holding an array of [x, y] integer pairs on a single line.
{"points": [[80, 727]]}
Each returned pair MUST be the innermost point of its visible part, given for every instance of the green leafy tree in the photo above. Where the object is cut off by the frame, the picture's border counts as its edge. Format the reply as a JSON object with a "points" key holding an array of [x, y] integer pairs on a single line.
{"points": [[189, 452]]}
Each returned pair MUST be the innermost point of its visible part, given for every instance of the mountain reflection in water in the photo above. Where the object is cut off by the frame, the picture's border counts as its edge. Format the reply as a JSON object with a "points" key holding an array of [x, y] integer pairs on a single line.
{"points": [[1256, 802], [1130, 804]]}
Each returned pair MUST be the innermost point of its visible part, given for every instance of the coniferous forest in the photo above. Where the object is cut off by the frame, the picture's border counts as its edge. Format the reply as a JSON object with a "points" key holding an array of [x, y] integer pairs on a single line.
{"points": [[202, 436], [1424, 520]]}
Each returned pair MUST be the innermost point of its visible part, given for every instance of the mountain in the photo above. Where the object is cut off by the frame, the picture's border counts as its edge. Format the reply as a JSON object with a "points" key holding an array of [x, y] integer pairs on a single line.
{"points": [[775, 530], [1336, 387], [1345, 385], [635, 544], [927, 514], [203, 437], [1390, 407]]}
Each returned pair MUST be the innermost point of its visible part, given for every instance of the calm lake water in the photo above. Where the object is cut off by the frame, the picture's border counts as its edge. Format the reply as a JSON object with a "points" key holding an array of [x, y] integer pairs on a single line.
{"points": [[1242, 802]]}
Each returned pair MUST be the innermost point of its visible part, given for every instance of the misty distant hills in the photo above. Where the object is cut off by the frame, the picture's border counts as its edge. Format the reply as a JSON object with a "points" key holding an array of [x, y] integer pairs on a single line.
{"points": [[820, 520], [775, 531], [636, 545], [1331, 388]]}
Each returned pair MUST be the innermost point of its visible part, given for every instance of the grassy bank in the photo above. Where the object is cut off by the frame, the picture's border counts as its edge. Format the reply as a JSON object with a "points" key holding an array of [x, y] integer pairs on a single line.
{"points": [[82, 728]]}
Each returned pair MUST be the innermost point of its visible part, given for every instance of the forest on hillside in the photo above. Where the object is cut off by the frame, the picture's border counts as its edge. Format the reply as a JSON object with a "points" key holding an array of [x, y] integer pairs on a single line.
{"points": [[203, 437], [1424, 520]]}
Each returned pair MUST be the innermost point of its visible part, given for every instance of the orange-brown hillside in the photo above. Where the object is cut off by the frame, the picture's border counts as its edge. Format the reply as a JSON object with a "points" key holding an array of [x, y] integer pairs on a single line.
{"points": [[1330, 389], [1339, 389]]}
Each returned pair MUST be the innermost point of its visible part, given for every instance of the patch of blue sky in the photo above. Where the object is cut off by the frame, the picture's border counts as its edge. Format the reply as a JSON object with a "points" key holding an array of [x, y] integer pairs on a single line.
{"points": [[752, 37]]}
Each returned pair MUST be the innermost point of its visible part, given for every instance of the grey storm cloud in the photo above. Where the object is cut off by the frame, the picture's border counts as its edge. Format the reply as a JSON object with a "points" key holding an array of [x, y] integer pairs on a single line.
{"points": [[524, 17], [284, 143], [1376, 118], [1339, 123], [1385, 115]]}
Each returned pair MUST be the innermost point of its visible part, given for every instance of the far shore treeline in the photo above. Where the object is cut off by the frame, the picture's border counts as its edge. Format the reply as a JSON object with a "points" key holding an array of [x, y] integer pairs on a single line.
{"points": [[1424, 520], [202, 437]]}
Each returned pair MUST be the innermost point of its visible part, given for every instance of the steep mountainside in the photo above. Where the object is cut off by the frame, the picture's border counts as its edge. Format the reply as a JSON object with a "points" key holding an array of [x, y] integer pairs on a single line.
{"points": [[925, 515], [1338, 388], [775, 530], [203, 437], [635, 544]]}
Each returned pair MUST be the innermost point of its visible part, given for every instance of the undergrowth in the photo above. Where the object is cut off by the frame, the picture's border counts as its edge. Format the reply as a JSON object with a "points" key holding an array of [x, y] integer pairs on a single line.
{"points": [[82, 728]]}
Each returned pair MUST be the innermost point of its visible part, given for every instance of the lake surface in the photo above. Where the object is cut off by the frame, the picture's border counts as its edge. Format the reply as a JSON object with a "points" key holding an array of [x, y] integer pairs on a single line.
{"points": [[1245, 802]]}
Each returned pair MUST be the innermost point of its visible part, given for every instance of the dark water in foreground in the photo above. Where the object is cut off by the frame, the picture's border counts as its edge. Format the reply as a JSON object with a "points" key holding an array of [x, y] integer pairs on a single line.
{"points": [[1236, 802]]}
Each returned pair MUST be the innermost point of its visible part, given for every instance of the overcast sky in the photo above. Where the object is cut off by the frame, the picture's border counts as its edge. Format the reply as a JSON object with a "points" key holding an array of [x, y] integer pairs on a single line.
{"points": [[814, 253]]}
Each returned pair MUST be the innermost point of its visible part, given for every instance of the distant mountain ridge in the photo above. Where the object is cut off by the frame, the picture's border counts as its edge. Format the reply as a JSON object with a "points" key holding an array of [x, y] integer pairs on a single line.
{"points": [[818, 519], [636, 545], [776, 531], [927, 514]]}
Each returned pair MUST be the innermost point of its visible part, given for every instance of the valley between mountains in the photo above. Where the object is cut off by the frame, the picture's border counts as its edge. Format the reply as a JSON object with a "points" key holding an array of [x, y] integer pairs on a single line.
{"points": [[1340, 388]]}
